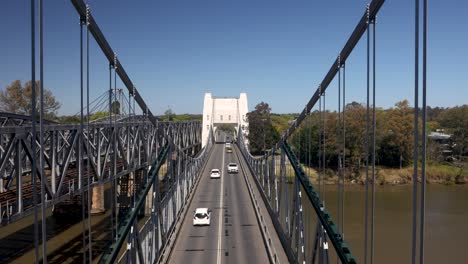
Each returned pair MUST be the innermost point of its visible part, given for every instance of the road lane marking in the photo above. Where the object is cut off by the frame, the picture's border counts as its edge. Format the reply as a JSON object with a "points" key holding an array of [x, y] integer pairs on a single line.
{"points": [[220, 225]]}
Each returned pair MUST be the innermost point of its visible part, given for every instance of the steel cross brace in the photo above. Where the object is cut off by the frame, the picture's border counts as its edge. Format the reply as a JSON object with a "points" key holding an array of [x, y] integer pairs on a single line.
{"points": [[124, 229], [341, 247]]}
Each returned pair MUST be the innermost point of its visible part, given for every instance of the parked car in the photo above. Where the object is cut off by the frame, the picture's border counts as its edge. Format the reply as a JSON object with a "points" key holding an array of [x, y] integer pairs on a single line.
{"points": [[232, 168], [215, 174], [201, 216]]}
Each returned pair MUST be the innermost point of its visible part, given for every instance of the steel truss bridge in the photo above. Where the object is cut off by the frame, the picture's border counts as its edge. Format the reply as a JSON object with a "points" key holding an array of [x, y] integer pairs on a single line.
{"points": [[155, 168]]}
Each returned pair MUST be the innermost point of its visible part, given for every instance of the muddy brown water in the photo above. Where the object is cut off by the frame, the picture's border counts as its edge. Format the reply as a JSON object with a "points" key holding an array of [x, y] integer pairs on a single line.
{"points": [[446, 225]]}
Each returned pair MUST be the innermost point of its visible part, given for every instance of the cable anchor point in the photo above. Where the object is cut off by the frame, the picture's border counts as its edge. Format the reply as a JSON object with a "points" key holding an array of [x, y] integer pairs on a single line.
{"points": [[88, 14], [368, 14]]}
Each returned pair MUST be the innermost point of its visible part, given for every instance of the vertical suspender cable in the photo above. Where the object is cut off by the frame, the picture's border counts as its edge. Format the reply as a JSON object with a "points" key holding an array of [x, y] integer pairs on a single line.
{"points": [[338, 145], [320, 252], [423, 154], [114, 147], [344, 152], [80, 146], [366, 213], [338, 148], [415, 130], [33, 136], [109, 138], [373, 145], [41, 132], [324, 112], [320, 144], [88, 149]]}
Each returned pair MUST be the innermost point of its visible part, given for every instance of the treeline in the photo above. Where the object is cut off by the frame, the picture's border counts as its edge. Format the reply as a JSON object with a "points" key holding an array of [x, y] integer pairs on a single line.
{"points": [[394, 135]]}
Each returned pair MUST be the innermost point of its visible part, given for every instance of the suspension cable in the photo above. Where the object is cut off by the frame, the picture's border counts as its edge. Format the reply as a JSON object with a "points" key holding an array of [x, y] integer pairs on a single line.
{"points": [[110, 136], [373, 144], [33, 129], [415, 131], [88, 150], [344, 151], [320, 143], [41, 133], [423, 137], [338, 132], [366, 209], [324, 112], [80, 145], [114, 147]]}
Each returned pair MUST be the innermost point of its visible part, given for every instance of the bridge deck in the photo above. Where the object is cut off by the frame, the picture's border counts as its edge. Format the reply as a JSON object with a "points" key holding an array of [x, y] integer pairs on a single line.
{"points": [[234, 235]]}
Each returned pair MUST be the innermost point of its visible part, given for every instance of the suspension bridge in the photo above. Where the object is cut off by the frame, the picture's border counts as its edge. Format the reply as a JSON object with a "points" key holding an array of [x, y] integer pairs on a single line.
{"points": [[133, 181]]}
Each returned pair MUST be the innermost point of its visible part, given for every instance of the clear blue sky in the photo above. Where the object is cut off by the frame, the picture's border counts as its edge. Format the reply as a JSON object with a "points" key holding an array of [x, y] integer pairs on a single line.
{"points": [[275, 51]]}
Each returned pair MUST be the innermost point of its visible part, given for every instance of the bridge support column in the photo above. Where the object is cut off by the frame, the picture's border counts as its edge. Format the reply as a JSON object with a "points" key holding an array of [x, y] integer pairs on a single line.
{"points": [[97, 206], [149, 202]]}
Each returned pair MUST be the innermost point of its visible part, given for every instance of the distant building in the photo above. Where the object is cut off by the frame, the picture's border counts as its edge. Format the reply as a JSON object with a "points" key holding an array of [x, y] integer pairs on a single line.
{"points": [[444, 140]]}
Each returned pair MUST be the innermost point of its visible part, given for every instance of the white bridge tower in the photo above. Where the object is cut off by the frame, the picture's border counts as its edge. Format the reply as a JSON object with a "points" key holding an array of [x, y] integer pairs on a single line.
{"points": [[218, 111]]}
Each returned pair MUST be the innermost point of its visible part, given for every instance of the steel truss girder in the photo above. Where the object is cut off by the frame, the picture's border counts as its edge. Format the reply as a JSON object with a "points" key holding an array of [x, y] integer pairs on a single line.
{"points": [[15, 120], [128, 223], [137, 145], [182, 172]]}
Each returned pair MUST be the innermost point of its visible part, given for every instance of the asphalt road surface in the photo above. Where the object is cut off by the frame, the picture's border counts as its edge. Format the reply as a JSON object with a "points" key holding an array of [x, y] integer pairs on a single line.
{"points": [[234, 235]]}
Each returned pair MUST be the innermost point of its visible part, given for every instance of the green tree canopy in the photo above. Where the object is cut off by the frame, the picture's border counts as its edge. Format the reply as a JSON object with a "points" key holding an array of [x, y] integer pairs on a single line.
{"points": [[169, 115], [262, 135], [16, 98]]}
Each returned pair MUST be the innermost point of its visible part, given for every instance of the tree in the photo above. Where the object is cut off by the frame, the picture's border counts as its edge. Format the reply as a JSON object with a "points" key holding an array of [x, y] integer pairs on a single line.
{"points": [[455, 120], [17, 99], [169, 115], [262, 135], [397, 136]]}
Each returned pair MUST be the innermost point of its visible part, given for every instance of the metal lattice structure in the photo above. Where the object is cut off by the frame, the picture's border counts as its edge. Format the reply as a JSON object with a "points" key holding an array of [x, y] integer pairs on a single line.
{"points": [[181, 173], [115, 150], [287, 206]]}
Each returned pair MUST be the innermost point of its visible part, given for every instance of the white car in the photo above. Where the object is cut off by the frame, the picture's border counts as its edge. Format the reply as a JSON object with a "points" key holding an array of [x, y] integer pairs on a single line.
{"points": [[215, 174], [232, 168], [201, 216]]}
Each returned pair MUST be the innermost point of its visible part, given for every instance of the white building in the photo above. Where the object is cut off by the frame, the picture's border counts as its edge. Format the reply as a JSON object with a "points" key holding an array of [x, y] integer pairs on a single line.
{"points": [[217, 111]]}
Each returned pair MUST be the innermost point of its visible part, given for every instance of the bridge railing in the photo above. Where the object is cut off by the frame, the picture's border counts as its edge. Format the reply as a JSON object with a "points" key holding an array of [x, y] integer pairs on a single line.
{"points": [[179, 173], [301, 220]]}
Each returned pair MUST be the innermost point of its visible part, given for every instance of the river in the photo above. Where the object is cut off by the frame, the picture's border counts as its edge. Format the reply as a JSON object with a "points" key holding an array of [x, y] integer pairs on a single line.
{"points": [[446, 222]]}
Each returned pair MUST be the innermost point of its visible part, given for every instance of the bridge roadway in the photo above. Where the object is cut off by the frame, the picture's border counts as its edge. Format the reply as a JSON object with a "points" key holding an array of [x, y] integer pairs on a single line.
{"points": [[234, 235]]}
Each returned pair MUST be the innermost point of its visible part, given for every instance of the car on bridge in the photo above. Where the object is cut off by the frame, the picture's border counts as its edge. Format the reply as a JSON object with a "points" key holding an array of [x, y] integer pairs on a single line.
{"points": [[229, 150], [215, 174], [232, 168], [201, 217]]}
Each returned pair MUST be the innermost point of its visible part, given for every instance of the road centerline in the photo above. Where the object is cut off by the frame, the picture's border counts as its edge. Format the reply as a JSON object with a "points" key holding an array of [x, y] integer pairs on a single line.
{"points": [[220, 225]]}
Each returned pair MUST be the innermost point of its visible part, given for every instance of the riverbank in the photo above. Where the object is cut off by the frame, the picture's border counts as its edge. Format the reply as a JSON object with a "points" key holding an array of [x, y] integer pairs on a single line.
{"points": [[435, 173]]}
